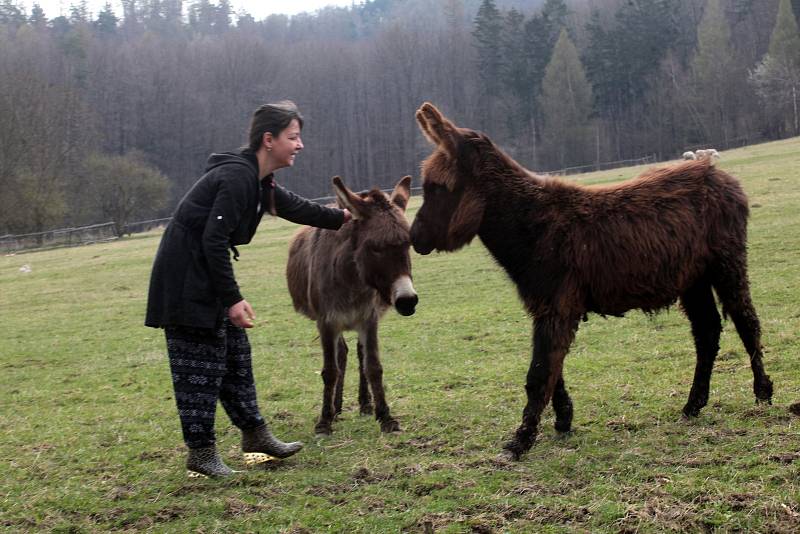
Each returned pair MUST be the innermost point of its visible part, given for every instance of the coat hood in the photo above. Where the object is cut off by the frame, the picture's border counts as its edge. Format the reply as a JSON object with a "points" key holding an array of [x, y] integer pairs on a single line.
{"points": [[242, 157]]}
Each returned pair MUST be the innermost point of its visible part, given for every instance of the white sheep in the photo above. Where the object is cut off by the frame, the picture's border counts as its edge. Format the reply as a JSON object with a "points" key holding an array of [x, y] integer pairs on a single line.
{"points": [[689, 155], [707, 153]]}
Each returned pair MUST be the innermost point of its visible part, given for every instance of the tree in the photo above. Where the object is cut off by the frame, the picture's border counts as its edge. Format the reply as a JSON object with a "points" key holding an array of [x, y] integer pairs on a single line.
{"points": [[11, 13], [107, 21], [714, 74], [44, 129], [488, 27], [566, 103], [514, 74], [120, 188], [777, 77], [38, 17]]}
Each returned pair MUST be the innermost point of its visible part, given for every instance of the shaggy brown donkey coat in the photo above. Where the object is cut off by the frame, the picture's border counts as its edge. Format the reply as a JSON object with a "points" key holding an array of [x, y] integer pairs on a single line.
{"points": [[672, 233], [347, 280]]}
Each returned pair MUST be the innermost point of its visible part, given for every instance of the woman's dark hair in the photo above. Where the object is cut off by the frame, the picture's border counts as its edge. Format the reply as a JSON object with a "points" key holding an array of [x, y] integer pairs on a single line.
{"points": [[273, 118]]}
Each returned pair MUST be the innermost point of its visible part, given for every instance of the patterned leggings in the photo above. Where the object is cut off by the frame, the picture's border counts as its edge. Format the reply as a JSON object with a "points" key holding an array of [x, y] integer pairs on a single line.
{"points": [[209, 364]]}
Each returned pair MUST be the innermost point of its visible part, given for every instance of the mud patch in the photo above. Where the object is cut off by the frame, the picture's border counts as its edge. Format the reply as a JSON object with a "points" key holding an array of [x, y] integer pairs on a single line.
{"points": [[236, 507], [362, 476], [785, 458]]}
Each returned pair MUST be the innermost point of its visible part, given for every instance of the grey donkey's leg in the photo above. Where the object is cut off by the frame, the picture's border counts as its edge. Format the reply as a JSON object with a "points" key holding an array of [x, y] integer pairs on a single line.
{"points": [[368, 337], [330, 375]]}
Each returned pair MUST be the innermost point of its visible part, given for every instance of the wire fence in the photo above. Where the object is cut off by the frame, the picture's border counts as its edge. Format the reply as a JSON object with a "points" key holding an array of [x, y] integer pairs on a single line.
{"points": [[97, 233], [603, 166], [63, 237]]}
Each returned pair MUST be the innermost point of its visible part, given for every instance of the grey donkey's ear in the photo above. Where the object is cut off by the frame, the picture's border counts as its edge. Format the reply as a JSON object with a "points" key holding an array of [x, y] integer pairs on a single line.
{"points": [[401, 193], [348, 199], [437, 128]]}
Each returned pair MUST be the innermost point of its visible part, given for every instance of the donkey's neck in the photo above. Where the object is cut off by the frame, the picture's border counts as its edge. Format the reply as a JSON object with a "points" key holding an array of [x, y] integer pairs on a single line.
{"points": [[514, 220]]}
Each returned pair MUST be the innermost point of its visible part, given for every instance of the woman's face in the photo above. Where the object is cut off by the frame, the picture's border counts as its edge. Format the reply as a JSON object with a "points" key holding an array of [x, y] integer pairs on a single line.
{"points": [[286, 145]]}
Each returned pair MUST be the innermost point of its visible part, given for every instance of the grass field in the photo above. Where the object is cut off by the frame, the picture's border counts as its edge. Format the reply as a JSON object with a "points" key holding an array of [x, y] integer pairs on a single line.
{"points": [[91, 440]]}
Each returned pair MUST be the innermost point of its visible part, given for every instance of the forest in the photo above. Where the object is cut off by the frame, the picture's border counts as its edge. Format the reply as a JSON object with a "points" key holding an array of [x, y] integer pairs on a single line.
{"points": [[110, 116]]}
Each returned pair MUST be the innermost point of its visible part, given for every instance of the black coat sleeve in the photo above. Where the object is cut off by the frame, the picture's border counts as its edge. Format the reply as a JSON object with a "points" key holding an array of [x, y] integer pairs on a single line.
{"points": [[230, 203], [299, 210]]}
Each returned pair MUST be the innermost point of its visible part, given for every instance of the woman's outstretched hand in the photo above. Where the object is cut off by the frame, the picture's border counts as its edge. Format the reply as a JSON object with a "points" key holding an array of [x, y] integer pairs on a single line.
{"points": [[241, 314]]}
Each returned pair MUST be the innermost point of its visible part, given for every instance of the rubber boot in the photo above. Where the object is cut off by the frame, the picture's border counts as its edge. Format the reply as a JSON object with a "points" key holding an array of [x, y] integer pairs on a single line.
{"points": [[206, 462], [259, 446]]}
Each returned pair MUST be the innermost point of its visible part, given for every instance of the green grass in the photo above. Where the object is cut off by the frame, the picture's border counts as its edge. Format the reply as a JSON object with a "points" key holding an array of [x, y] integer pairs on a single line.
{"points": [[91, 440]]}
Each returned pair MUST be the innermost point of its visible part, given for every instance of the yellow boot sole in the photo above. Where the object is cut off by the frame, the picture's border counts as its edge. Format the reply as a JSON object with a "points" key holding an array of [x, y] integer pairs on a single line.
{"points": [[257, 458]]}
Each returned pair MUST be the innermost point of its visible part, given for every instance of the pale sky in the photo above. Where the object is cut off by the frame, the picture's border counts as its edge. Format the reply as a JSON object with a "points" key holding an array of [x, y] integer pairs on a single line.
{"points": [[260, 9]]}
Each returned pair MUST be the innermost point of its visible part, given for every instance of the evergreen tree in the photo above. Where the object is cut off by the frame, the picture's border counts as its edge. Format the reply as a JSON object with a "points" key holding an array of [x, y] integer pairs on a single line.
{"points": [[11, 13], [602, 66], [623, 63], [79, 13], [106, 22], [513, 73], [784, 44], [38, 17], [714, 74], [488, 27], [554, 15], [777, 77], [566, 103]]}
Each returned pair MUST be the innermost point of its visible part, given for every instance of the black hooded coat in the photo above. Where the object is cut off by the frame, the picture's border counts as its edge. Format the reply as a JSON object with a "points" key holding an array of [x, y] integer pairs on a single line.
{"points": [[192, 281]]}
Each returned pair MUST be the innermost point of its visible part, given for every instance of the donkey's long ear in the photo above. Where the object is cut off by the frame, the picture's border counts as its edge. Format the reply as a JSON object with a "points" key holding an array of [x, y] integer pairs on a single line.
{"points": [[348, 199], [438, 129], [401, 193]]}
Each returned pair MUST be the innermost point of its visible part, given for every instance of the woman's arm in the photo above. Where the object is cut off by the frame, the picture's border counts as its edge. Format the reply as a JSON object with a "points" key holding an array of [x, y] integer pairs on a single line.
{"points": [[299, 210]]}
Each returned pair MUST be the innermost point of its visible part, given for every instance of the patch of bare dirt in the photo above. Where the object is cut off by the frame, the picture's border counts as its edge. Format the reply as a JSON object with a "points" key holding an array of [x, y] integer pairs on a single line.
{"points": [[362, 475], [426, 488], [119, 493], [236, 507], [785, 458]]}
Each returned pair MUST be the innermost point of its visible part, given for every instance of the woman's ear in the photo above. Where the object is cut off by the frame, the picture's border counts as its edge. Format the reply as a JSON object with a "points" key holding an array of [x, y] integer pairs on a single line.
{"points": [[266, 140]]}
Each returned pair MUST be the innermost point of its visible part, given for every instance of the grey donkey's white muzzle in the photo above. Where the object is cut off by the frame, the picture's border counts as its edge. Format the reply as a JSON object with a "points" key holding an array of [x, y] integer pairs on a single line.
{"points": [[404, 298]]}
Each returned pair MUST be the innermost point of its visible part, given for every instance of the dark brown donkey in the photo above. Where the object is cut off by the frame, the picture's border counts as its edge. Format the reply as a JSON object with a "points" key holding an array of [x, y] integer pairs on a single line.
{"points": [[346, 280], [672, 233]]}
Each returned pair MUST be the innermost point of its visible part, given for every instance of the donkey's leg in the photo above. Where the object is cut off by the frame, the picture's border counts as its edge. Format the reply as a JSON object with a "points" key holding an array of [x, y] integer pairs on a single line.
{"points": [[341, 359], [698, 304], [734, 293], [330, 374], [552, 337], [562, 406], [364, 396], [368, 337]]}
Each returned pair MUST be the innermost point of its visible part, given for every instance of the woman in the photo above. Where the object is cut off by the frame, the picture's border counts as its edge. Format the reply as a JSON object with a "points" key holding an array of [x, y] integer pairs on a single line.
{"points": [[194, 295]]}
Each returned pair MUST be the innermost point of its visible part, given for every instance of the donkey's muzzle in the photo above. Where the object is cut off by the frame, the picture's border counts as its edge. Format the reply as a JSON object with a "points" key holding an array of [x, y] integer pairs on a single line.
{"points": [[406, 305], [404, 297], [422, 246]]}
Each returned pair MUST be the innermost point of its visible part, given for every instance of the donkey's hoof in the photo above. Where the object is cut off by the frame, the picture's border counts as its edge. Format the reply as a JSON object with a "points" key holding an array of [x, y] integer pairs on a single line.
{"points": [[367, 409], [564, 428], [691, 411], [763, 390], [514, 449], [390, 425], [322, 431], [507, 455]]}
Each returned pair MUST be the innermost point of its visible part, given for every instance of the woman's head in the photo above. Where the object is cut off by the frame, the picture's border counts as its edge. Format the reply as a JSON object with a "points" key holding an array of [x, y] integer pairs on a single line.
{"points": [[273, 119]]}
